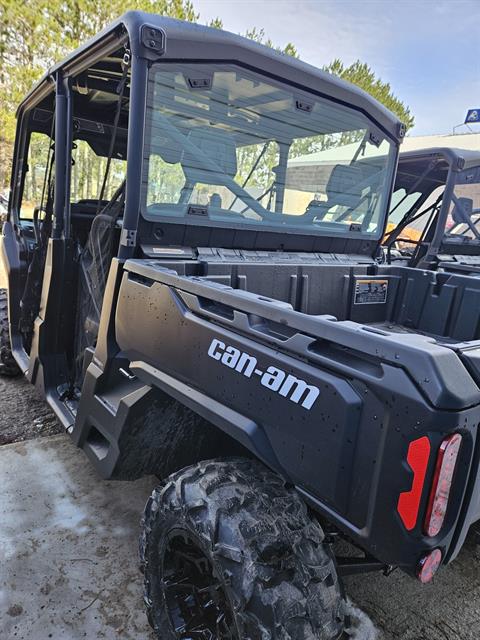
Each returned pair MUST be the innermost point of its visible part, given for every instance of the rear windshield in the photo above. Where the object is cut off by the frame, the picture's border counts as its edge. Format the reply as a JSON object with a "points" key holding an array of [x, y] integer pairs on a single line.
{"points": [[225, 147]]}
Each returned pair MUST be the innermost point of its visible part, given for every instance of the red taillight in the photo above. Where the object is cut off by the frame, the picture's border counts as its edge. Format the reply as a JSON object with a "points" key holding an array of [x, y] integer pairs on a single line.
{"points": [[429, 565], [409, 501], [442, 483]]}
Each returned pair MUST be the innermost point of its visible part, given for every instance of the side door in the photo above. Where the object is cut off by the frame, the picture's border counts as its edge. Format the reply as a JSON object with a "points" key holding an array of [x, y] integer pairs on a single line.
{"points": [[29, 221]]}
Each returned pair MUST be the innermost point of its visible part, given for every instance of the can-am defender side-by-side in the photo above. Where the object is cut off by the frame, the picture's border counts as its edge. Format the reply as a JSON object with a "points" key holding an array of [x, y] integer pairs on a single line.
{"points": [[434, 221], [194, 304]]}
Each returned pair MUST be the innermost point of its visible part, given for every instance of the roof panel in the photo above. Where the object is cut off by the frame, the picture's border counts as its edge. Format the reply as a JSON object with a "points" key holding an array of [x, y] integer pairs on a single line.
{"points": [[193, 42]]}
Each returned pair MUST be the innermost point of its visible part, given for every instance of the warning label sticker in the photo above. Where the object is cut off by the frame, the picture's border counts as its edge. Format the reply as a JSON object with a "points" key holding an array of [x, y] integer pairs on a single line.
{"points": [[372, 291]]}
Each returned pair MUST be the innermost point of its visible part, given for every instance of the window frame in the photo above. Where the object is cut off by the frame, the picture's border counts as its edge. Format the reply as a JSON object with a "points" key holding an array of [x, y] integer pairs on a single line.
{"points": [[23, 134], [58, 84]]}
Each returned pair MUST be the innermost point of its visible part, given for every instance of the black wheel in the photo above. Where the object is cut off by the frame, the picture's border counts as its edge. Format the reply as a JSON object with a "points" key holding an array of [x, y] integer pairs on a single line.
{"points": [[8, 366], [229, 552]]}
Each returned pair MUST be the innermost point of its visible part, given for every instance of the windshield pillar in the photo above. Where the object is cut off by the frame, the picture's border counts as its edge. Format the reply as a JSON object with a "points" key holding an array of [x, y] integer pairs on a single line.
{"points": [[437, 239], [68, 159], [136, 128], [61, 125]]}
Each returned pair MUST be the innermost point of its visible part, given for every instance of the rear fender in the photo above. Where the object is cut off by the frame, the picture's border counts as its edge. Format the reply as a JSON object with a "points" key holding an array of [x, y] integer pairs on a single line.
{"points": [[242, 429], [274, 402]]}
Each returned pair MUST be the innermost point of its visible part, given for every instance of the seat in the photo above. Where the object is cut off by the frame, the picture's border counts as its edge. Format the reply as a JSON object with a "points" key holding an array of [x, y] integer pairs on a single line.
{"points": [[344, 188], [462, 210], [94, 265], [216, 145]]}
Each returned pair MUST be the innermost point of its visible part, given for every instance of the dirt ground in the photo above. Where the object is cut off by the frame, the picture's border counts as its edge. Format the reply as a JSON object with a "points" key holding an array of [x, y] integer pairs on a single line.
{"points": [[403, 609], [23, 414], [69, 568]]}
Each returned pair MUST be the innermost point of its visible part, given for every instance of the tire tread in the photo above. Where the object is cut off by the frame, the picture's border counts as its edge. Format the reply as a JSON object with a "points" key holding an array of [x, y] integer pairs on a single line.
{"points": [[283, 580]]}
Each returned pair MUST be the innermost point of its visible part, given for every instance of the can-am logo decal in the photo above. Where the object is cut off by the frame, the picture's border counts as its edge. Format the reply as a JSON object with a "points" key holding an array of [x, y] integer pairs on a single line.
{"points": [[286, 385]]}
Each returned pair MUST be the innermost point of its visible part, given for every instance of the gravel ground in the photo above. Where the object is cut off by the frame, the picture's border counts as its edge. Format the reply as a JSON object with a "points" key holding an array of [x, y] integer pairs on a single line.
{"points": [[69, 570], [403, 609]]}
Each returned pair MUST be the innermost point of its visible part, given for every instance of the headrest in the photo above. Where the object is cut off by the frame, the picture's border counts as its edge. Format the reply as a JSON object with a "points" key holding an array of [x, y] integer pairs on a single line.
{"points": [[345, 185], [164, 146], [462, 210], [217, 145]]}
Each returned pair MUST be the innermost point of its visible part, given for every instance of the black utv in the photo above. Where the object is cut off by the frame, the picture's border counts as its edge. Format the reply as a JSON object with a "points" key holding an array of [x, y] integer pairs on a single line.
{"points": [[434, 220], [192, 305]]}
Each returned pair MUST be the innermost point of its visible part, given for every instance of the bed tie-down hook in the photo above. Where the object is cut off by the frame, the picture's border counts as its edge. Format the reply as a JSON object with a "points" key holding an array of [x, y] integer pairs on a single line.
{"points": [[126, 373]]}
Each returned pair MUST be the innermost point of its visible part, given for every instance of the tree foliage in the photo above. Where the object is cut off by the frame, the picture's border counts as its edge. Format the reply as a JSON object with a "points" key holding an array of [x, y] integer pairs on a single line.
{"points": [[361, 74], [258, 35], [36, 34]]}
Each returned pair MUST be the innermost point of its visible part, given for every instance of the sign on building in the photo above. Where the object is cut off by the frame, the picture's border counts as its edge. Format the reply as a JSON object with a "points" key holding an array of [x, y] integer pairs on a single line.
{"points": [[473, 115]]}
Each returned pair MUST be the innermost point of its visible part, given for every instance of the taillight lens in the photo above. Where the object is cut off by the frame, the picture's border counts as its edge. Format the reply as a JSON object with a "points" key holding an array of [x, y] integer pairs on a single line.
{"points": [[429, 565], [409, 501], [442, 483]]}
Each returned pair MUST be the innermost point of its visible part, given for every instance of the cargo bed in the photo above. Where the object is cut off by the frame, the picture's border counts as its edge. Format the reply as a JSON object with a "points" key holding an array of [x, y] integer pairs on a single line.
{"points": [[442, 305]]}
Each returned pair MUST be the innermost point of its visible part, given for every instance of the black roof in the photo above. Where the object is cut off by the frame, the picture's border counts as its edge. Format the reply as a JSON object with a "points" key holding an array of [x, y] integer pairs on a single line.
{"points": [[193, 42], [458, 159]]}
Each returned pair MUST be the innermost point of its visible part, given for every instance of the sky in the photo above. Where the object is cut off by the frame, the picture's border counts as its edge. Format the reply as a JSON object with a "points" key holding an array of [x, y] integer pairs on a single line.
{"points": [[429, 51]]}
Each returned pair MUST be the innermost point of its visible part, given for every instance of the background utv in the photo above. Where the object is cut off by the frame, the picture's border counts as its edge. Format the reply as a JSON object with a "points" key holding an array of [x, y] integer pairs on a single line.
{"points": [[434, 222], [185, 286]]}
